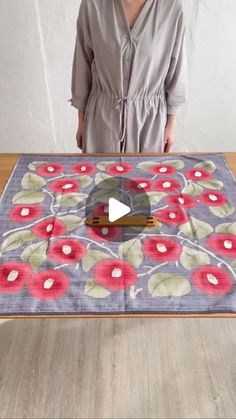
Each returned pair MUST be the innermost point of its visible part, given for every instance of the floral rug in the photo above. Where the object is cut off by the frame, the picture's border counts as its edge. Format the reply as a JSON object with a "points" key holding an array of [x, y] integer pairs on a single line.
{"points": [[52, 263]]}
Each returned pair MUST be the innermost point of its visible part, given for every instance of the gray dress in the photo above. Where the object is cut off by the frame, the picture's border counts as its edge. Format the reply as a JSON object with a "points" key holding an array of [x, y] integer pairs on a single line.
{"points": [[128, 80]]}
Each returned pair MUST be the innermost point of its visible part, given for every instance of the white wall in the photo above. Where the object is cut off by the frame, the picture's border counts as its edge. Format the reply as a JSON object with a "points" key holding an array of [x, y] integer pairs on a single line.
{"points": [[36, 49]]}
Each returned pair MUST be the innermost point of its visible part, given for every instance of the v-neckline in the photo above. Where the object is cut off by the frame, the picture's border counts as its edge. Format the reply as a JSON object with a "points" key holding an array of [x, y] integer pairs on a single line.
{"points": [[139, 17]]}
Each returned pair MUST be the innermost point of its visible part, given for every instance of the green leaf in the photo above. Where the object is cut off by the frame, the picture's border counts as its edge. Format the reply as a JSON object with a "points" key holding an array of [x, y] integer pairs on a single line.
{"points": [[32, 181], [148, 230], [71, 199], [228, 228], [104, 165], [223, 211], [207, 165], [35, 254], [131, 251], [16, 240], [193, 189], [233, 264], [85, 181], [177, 164], [146, 165], [212, 184], [111, 182], [94, 290], [92, 257], [72, 222], [150, 198], [196, 229], [192, 259], [168, 285], [103, 195], [34, 165], [28, 197]]}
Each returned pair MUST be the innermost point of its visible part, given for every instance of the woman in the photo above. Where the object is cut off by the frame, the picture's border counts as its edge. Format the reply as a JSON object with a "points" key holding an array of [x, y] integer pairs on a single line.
{"points": [[129, 74]]}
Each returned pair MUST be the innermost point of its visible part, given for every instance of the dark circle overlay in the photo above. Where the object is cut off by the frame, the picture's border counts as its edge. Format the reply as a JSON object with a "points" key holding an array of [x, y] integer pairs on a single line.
{"points": [[126, 191]]}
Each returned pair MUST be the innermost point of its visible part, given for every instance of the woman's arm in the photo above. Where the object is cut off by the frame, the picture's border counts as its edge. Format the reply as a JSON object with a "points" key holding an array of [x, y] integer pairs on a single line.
{"points": [[169, 133], [80, 131]]}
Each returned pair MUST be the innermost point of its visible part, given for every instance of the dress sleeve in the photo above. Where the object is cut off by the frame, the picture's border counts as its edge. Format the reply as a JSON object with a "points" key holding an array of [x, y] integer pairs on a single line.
{"points": [[176, 83], [83, 57]]}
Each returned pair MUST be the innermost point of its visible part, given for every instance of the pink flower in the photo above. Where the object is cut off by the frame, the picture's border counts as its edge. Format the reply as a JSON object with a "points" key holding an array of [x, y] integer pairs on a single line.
{"points": [[114, 274], [212, 280], [119, 169], [50, 169], [67, 251], [101, 209], [104, 234], [51, 227], [64, 186], [198, 175], [84, 168], [213, 198], [163, 169], [166, 185], [25, 213], [181, 200], [172, 216], [138, 185], [13, 276], [223, 244], [162, 249], [48, 285]]}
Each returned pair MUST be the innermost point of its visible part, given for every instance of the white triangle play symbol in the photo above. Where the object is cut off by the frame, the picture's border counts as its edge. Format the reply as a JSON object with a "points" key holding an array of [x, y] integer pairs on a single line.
{"points": [[117, 210]]}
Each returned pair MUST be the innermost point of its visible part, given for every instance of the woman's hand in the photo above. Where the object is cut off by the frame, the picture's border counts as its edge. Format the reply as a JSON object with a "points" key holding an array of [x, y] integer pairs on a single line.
{"points": [[80, 132], [169, 133]]}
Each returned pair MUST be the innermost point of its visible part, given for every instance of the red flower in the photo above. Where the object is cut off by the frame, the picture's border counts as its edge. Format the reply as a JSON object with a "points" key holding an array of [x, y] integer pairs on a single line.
{"points": [[13, 275], [172, 216], [181, 200], [50, 169], [48, 285], [84, 168], [138, 185], [213, 198], [51, 227], [166, 185], [104, 234], [64, 186], [25, 213], [198, 175], [212, 280], [119, 169], [114, 274], [162, 249], [224, 244], [101, 209], [67, 251], [163, 169]]}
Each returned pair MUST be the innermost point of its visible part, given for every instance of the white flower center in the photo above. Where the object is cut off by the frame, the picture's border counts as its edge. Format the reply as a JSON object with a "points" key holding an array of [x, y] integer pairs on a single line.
{"points": [[142, 185], [161, 248], [181, 200], [67, 250], [25, 212], [228, 244], [67, 186], [198, 174], [50, 169], [119, 168], [12, 276], [172, 215], [166, 184], [48, 283], [105, 231], [212, 279], [213, 197], [163, 170], [116, 273], [83, 169], [49, 228]]}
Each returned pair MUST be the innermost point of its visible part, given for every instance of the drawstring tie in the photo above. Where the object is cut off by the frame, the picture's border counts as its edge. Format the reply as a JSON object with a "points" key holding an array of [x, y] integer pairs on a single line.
{"points": [[122, 106]]}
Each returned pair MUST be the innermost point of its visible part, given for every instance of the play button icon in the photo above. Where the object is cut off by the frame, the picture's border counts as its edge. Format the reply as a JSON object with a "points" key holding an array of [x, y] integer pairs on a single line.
{"points": [[117, 210]]}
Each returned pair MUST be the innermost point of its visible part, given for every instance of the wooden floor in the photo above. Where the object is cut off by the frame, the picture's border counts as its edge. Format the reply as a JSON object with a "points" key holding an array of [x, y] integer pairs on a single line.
{"points": [[118, 368]]}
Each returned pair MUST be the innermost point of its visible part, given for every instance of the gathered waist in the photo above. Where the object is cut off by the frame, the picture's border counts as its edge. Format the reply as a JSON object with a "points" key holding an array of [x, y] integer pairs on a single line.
{"points": [[117, 98]]}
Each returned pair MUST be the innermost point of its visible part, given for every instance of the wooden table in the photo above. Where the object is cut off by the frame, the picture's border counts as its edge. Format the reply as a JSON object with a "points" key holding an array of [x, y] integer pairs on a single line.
{"points": [[7, 162]]}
